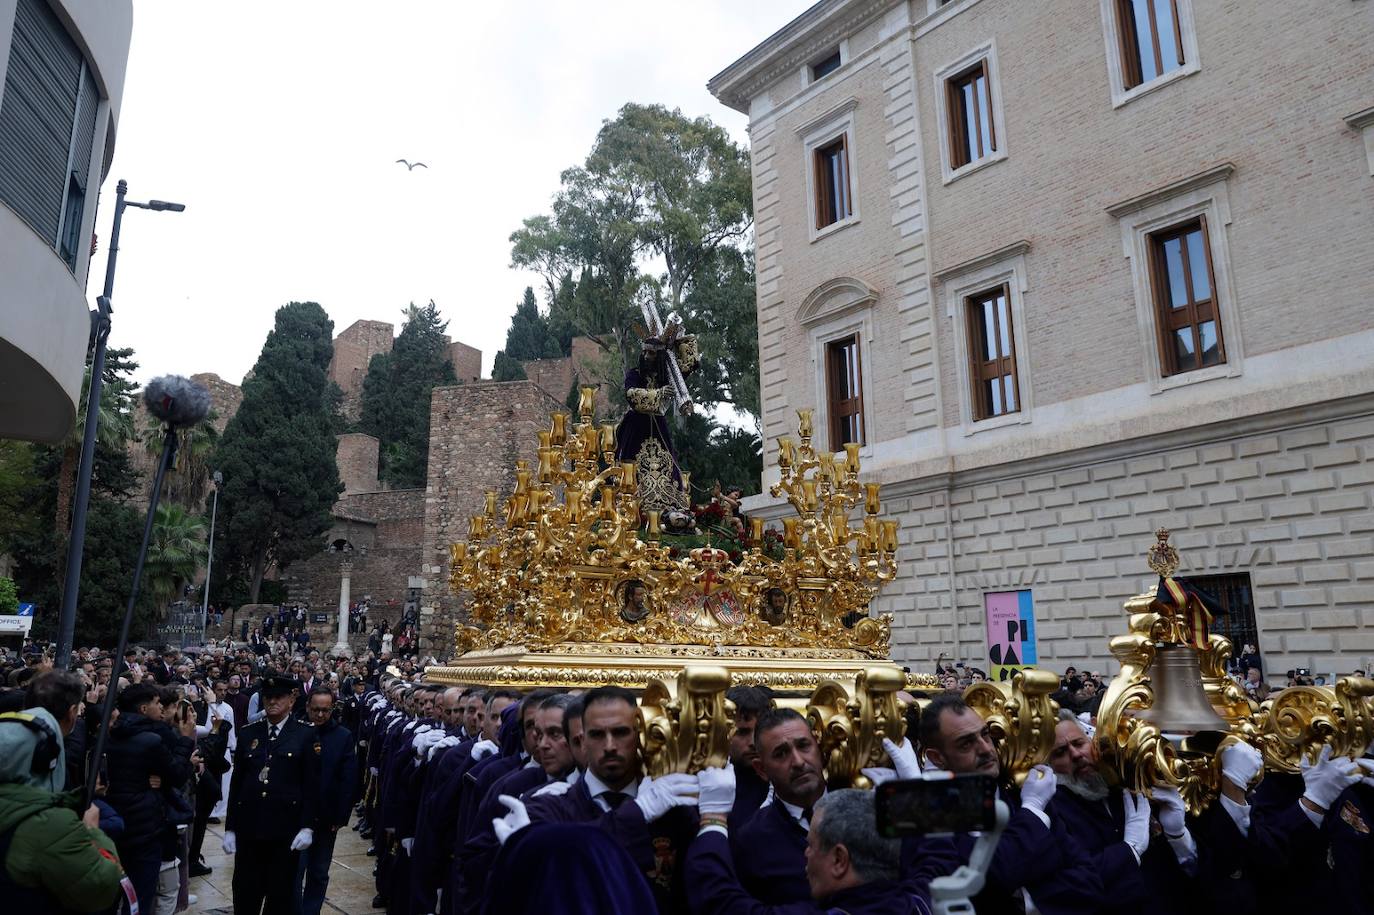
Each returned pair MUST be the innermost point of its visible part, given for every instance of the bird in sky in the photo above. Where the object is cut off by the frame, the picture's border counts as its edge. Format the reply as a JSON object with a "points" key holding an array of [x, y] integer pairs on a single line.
{"points": [[411, 166]]}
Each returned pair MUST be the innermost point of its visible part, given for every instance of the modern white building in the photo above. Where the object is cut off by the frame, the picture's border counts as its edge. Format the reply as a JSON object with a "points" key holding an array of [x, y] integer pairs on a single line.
{"points": [[63, 65], [1070, 272]]}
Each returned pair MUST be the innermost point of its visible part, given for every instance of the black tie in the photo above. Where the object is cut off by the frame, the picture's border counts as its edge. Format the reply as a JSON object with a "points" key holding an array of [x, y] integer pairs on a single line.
{"points": [[805, 815], [272, 732], [615, 798]]}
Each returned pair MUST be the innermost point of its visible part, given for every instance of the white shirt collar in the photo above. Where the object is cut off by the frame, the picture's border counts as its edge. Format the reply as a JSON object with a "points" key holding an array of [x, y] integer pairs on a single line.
{"points": [[796, 812], [596, 787]]}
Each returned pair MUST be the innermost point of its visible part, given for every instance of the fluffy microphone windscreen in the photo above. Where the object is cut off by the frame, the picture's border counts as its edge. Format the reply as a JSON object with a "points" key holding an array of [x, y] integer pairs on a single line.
{"points": [[177, 401]]}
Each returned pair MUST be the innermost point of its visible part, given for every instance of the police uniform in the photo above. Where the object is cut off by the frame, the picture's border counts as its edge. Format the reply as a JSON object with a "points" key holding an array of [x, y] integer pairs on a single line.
{"points": [[273, 794]]}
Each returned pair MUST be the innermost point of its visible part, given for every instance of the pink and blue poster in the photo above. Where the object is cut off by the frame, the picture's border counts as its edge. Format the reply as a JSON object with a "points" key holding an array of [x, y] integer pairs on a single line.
{"points": [[1011, 632]]}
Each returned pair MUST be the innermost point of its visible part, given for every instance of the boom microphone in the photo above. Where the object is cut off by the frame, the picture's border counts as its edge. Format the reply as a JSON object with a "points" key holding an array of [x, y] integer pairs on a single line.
{"points": [[177, 401]]}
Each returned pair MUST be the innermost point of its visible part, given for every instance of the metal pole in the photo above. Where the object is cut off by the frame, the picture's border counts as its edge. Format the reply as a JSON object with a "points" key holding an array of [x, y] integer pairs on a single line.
{"points": [[169, 447], [66, 621], [209, 561]]}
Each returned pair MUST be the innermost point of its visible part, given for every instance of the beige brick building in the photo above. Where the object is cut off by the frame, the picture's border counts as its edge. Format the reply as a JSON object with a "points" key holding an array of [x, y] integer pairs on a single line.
{"points": [[1071, 273]]}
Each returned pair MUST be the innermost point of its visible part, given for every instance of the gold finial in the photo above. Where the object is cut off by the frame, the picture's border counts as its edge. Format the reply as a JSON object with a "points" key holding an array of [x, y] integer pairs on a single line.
{"points": [[1163, 558]]}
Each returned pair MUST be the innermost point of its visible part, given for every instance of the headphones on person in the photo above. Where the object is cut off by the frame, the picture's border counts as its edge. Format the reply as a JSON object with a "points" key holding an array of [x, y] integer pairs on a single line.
{"points": [[49, 747]]}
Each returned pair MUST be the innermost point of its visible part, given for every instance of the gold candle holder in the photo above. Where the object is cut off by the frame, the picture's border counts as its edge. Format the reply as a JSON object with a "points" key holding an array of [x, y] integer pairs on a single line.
{"points": [[687, 485], [518, 504], [889, 536], [491, 503], [756, 530], [522, 482], [458, 552], [790, 536], [558, 432], [804, 423], [627, 474], [873, 531], [809, 495], [871, 502], [839, 526], [574, 504], [784, 452], [607, 501], [477, 526], [586, 403], [652, 515], [825, 469], [608, 438], [851, 457]]}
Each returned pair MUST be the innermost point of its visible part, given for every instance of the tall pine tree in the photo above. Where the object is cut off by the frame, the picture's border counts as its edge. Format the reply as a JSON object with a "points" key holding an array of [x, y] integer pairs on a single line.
{"points": [[277, 453], [396, 394], [528, 337]]}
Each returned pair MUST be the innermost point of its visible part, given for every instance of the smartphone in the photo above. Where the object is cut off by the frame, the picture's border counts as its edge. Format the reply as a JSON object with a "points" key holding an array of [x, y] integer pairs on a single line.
{"points": [[939, 803], [1304, 672]]}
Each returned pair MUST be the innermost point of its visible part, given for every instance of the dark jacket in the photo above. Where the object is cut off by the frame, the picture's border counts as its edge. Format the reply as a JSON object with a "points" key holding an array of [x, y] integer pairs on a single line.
{"points": [[139, 747], [285, 800], [338, 774]]}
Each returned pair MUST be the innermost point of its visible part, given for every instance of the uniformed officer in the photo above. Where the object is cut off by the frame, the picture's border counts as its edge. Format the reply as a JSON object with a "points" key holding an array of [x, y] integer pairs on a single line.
{"points": [[273, 801]]}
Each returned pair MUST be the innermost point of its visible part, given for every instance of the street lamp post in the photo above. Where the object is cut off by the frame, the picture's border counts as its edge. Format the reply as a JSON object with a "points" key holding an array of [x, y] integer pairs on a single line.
{"points": [[100, 329], [218, 479]]}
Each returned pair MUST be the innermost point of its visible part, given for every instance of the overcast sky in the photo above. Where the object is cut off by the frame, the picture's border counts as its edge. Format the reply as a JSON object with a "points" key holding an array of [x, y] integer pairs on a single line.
{"points": [[278, 125]]}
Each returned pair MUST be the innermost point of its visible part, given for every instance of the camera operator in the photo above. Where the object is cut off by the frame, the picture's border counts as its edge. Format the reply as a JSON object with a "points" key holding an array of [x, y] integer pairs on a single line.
{"points": [[50, 859]]}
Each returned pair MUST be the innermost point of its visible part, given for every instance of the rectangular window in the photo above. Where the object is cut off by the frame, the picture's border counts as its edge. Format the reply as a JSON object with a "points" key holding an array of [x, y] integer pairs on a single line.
{"points": [[1236, 621], [825, 66], [971, 134], [832, 183], [1151, 39], [845, 391], [992, 355], [1184, 291]]}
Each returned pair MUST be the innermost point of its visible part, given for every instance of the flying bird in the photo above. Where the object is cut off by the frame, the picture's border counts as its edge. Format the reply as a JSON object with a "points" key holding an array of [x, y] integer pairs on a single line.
{"points": [[411, 166]]}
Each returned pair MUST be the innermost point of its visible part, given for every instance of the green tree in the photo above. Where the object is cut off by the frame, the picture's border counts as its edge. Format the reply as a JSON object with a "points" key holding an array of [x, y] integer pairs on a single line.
{"points": [[713, 451], [112, 472], [504, 368], [658, 192], [188, 479], [277, 453], [19, 481], [9, 597], [176, 553], [529, 336], [396, 395]]}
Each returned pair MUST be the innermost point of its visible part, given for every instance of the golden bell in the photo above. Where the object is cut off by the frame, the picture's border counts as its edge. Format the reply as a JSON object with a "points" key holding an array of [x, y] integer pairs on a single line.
{"points": [[1181, 705]]}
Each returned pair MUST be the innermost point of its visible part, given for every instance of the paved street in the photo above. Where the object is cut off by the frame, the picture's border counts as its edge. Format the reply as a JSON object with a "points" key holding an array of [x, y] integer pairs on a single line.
{"points": [[350, 878]]}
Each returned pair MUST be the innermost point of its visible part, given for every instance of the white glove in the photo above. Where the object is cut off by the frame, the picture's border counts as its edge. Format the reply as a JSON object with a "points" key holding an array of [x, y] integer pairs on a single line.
{"points": [[878, 775], [408, 844], [716, 790], [1170, 811], [446, 742], [903, 758], [513, 822], [484, 748], [1329, 777], [553, 789], [1038, 789], [373, 770], [1137, 831], [230, 843], [657, 796], [1240, 763], [303, 840]]}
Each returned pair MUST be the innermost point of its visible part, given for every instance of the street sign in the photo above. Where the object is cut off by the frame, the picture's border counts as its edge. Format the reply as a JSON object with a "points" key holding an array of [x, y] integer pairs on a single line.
{"points": [[20, 622]]}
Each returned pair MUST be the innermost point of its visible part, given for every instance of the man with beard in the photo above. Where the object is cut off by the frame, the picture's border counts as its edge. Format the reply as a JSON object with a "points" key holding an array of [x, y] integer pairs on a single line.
{"points": [[1035, 855], [638, 812], [750, 788], [1113, 826]]}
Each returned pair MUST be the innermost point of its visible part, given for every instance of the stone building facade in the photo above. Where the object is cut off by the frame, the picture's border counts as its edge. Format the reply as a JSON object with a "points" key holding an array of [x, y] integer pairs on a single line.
{"points": [[354, 348], [477, 432], [923, 166]]}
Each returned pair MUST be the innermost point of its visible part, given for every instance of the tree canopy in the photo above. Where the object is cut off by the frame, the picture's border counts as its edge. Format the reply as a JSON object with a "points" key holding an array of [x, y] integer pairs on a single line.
{"points": [[277, 452], [396, 395]]}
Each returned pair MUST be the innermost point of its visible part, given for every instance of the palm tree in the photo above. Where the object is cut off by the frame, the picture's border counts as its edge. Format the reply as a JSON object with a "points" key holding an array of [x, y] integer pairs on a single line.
{"points": [[176, 553], [188, 479], [115, 427]]}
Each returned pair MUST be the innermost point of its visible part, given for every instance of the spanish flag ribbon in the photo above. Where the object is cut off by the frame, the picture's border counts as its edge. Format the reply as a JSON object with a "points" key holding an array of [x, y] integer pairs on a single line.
{"points": [[1189, 605]]}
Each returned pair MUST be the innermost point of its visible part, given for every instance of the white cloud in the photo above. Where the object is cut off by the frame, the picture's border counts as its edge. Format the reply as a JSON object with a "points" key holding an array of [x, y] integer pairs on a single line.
{"points": [[278, 125]]}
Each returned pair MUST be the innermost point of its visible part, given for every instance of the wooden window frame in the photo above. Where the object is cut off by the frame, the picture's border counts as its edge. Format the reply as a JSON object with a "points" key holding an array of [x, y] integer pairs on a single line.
{"points": [[960, 150], [982, 370], [825, 204], [1132, 71], [838, 408], [1197, 311]]}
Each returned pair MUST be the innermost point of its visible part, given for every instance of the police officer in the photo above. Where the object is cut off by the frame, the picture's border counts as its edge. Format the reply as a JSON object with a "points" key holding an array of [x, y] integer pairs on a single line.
{"points": [[273, 801]]}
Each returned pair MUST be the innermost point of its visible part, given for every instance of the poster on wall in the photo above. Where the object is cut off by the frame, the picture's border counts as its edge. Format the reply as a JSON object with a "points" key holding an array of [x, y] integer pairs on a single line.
{"points": [[1011, 632]]}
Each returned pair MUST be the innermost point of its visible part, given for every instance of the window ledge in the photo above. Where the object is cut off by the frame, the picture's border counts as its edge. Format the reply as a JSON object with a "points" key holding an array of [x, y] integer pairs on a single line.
{"points": [[818, 234], [1199, 376], [1020, 417], [975, 166], [1159, 82]]}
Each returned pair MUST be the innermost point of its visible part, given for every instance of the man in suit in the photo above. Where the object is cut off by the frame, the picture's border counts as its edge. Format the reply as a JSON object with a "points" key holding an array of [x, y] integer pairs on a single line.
{"points": [[638, 812], [274, 802], [337, 789], [750, 787]]}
